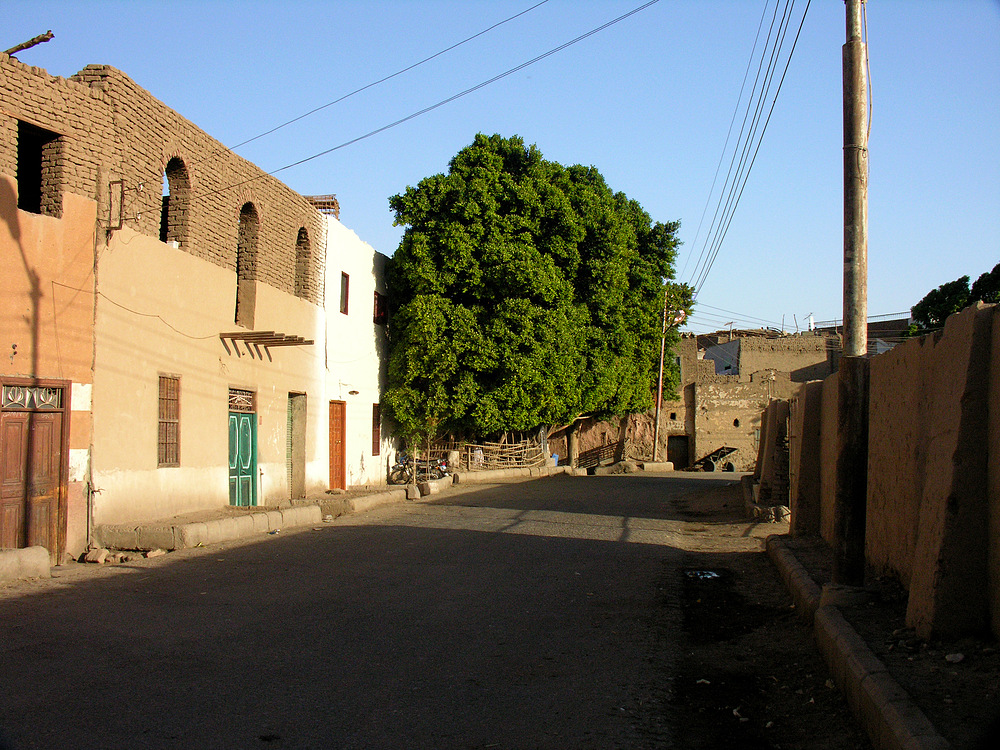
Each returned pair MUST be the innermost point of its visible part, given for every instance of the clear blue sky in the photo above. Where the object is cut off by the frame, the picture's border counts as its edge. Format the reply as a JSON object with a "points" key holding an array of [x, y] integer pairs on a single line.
{"points": [[648, 102]]}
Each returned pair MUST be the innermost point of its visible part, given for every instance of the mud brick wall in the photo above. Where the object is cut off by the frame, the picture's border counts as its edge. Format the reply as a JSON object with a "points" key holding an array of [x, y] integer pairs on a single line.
{"points": [[804, 357], [149, 134], [111, 129], [78, 114], [933, 511], [728, 413]]}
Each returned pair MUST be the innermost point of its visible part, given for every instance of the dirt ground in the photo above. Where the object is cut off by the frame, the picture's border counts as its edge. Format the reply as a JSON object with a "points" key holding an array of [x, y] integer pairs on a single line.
{"points": [[956, 682], [750, 675]]}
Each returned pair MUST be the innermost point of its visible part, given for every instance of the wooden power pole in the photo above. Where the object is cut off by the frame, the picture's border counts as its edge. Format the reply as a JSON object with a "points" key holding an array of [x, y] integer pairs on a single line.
{"points": [[852, 436]]}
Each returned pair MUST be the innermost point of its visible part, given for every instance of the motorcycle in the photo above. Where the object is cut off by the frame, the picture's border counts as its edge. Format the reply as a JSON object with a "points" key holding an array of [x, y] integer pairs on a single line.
{"points": [[427, 468]]}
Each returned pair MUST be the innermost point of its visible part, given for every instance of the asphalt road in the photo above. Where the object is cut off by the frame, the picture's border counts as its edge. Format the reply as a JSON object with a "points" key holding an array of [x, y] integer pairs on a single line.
{"points": [[531, 615]]}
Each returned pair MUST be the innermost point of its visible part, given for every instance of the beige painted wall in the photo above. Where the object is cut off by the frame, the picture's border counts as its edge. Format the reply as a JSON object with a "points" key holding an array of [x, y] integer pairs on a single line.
{"points": [[355, 346], [161, 311]]}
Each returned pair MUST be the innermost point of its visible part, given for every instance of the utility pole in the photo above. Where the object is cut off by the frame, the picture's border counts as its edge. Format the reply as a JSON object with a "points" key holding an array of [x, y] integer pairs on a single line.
{"points": [[851, 497], [659, 380], [677, 317], [855, 186]]}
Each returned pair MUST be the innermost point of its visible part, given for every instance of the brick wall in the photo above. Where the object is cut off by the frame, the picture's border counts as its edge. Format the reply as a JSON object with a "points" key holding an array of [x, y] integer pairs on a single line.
{"points": [[111, 129], [80, 115], [805, 357]]}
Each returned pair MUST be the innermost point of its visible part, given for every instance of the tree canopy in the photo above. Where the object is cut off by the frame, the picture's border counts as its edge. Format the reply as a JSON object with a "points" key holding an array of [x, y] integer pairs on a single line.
{"points": [[523, 293], [930, 312]]}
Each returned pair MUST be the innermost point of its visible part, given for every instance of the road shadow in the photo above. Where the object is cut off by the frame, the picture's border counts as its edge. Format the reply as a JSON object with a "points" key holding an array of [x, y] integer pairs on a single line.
{"points": [[681, 497]]}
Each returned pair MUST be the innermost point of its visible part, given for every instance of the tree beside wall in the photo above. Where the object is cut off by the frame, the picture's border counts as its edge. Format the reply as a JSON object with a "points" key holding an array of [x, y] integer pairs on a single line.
{"points": [[523, 293]]}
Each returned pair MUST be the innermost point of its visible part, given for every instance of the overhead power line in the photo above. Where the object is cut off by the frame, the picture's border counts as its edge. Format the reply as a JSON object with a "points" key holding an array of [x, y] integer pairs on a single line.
{"points": [[750, 137], [388, 77], [229, 149], [722, 156], [441, 103]]}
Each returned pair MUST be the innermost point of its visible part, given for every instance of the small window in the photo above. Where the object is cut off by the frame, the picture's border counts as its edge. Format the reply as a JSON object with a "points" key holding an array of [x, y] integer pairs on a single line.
{"points": [[345, 282], [175, 203], [302, 258], [736, 423], [38, 183], [673, 415], [169, 440], [246, 266], [381, 314], [376, 430]]}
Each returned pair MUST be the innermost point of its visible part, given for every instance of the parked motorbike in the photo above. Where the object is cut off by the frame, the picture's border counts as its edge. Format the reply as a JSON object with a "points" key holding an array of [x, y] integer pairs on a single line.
{"points": [[427, 468]]}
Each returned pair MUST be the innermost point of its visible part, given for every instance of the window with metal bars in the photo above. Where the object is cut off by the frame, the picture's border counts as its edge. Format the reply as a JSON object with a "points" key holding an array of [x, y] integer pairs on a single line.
{"points": [[169, 438], [376, 430]]}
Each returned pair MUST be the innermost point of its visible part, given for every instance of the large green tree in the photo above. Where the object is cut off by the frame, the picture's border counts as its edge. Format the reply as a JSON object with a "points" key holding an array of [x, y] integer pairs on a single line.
{"points": [[523, 293]]}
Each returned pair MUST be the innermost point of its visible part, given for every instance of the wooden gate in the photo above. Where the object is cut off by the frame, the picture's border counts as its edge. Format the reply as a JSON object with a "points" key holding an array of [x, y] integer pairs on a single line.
{"points": [[338, 454]]}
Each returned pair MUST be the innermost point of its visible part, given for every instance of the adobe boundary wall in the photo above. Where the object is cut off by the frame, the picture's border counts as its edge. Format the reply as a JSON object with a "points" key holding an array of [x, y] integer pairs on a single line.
{"points": [[933, 508]]}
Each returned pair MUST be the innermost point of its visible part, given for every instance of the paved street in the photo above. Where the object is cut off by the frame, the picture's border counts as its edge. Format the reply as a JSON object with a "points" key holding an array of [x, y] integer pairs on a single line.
{"points": [[540, 614]]}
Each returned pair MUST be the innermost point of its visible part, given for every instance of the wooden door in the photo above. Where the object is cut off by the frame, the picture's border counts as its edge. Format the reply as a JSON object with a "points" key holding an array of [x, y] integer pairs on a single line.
{"points": [[242, 459], [13, 495], [31, 449], [338, 454]]}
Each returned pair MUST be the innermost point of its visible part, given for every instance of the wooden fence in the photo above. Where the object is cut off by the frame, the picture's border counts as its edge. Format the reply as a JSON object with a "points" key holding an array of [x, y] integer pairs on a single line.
{"points": [[487, 456]]}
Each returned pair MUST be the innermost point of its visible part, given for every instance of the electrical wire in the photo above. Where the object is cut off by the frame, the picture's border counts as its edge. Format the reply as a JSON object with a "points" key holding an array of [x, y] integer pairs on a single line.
{"points": [[755, 133], [750, 138], [754, 95], [733, 312], [725, 146], [372, 84], [439, 104]]}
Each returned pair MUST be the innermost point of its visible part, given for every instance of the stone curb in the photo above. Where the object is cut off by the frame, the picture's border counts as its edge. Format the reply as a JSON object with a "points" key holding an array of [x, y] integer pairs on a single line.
{"points": [[367, 502], [887, 713], [492, 475], [29, 562], [187, 535]]}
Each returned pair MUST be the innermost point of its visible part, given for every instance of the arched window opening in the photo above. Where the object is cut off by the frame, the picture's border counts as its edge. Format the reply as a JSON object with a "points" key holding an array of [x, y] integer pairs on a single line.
{"points": [[176, 203], [246, 266], [302, 258]]}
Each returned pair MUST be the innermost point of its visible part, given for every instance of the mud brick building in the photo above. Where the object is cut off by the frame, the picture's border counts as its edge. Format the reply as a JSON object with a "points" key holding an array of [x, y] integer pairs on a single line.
{"points": [[164, 319]]}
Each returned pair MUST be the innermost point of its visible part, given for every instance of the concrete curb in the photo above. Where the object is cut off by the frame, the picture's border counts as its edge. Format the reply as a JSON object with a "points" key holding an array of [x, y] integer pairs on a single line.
{"points": [[887, 713], [493, 475], [28, 562], [186, 535], [367, 502]]}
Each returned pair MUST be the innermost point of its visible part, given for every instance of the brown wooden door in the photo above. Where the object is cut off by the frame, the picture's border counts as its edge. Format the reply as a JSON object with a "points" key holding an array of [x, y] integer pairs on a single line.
{"points": [[14, 441], [29, 498], [338, 455]]}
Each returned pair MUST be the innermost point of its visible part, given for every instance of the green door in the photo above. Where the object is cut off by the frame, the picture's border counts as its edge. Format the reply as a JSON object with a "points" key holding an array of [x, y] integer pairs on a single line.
{"points": [[242, 459]]}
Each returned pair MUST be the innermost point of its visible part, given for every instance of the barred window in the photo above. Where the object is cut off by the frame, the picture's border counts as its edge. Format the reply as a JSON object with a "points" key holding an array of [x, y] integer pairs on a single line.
{"points": [[169, 440], [376, 430]]}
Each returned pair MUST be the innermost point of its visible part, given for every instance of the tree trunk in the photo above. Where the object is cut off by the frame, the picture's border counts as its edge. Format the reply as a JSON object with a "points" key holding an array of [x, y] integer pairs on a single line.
{"points": [[622, 437], [573, 443]]}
